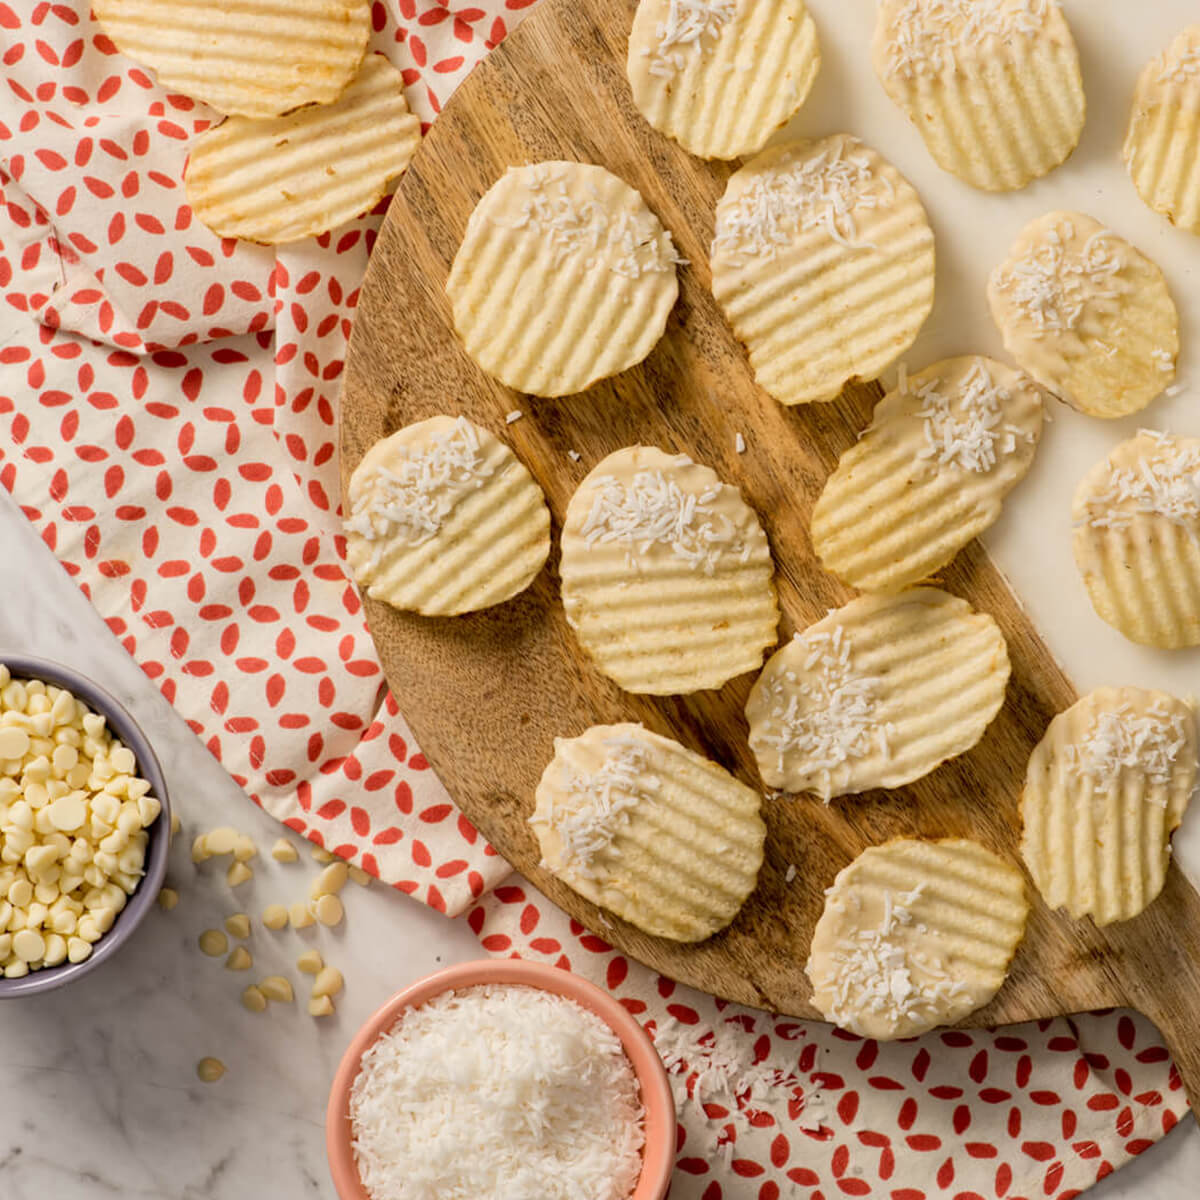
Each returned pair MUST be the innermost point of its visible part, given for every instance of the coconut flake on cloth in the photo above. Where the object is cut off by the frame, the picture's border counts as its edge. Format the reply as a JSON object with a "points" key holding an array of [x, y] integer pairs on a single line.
{"points": [[168, 422]]}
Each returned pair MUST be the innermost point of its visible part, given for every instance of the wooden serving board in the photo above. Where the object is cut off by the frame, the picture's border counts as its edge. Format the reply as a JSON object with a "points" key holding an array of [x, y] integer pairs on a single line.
{"points": [[486, 694]]}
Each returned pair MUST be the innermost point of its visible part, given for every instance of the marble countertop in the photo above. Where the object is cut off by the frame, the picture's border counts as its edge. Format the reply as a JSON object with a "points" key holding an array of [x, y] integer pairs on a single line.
{"points": [[101, 1096]]}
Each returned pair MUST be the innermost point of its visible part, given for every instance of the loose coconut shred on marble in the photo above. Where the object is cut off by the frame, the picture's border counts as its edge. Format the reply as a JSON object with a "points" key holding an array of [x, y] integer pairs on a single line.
{"points": [[505, 1092]]}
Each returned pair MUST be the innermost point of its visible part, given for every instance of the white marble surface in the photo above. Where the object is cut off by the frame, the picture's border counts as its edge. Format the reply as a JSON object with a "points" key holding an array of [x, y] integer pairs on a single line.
{"points": [[100, 1095]]}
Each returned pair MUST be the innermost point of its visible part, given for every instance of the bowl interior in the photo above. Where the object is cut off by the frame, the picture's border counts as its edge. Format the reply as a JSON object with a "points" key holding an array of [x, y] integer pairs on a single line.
{"points": [[123, 725], [658, 1156]]}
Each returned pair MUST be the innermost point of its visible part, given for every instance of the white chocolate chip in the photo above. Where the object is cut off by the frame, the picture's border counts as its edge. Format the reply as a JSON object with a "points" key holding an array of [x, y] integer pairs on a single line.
{"points": [[320, 1006], [238, 925], [210, 1069], [200, 850], [321, 854], [276, 987], [329, 910], [254, 999], [238, 874], [283, 851], [13, 742], [328, 982], [299, 915], [213, 942], [239, 959], [221, 841], [28, 945], [168, 898], [310, 962], [330, 881], [245, 849], [275, 916], [361, 877]]}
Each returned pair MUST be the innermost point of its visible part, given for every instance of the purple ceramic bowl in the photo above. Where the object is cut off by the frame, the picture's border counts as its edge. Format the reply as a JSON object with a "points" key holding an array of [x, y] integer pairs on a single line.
{"points": [[123, 725]]}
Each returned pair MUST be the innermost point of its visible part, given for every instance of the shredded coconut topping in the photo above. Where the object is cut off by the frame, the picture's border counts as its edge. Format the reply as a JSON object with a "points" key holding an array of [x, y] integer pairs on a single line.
{"points": [[627, 243], [410, 503], [681, 36], [501, 1091], [822, 191], [1119, 740], [966, 428], [652, 509], [930, 36], [875, 972], [1164, 483], [1053, 286], [596, 804], [828, 717]]}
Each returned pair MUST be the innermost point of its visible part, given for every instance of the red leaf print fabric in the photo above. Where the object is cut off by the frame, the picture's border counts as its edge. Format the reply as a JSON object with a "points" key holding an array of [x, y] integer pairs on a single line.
{"points": [[168, 421]]}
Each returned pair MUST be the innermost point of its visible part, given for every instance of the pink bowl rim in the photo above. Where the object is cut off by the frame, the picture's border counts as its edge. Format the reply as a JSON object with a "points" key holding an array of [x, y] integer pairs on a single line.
{"points": [[657, 1097]]}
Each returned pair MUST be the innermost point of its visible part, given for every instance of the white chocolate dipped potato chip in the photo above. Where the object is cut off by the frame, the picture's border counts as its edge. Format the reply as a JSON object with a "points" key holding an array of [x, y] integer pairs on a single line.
{"points": [[993, 86], [823, 265], [1105, 788], [877, 694], [444, 519], [667, 576], [928, 474], [720, 76], [1086, 314], [564, 277], [1137, 539], [915, 934], [1164, 132], [658, 835]]}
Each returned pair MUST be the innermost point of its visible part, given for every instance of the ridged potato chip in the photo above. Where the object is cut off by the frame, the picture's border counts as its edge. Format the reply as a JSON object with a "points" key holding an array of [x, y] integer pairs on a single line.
{"points": [[993, 86], [915, 934], [877, 694], [658, 835], [720, 76], [254, 58], [564, 277], [928, 474], [1106, 787], [823, 264], [1162, 146], [667, 576], [291, 177], [1137, 539], [443, 519], [1086, 314]]}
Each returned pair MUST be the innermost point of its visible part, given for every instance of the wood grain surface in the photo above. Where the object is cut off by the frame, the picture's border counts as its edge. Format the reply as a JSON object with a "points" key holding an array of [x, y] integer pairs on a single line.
{"points": [[486, 694]]}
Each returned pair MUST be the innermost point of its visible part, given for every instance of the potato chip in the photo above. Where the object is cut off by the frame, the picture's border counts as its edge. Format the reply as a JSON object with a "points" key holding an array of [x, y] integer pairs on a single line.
{"points": [[292, 177], [564, 277], [649, 830], [1086, 314], [1137, 539], [1164, 132], [877, 694], [667, 576], [915, 934], [929, 474], [255, 58], [993, 86], [823, 265], [444, 519], [1106, 787], [720, 76]]}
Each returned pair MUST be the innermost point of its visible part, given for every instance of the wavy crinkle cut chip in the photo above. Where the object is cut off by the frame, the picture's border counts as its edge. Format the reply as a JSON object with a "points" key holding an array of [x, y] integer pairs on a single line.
{"points": [[649, 830], [1162, 146], [823, 263], [667, 577], [443, 519], [877, 694], [296, 176], [1086, 314], [720, 76], [1137, 539], [915, 934], [253, 58], [1106, 787], [564, 277], [929, 474], [993, 86]]}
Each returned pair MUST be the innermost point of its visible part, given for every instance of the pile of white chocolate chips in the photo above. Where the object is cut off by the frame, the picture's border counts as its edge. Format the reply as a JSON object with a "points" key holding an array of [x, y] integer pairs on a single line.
{"points": [[73, 820]]}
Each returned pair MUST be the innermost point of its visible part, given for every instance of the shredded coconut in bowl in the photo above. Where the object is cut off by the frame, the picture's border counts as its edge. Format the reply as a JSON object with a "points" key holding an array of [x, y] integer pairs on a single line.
{"points": [[501, 1092]]}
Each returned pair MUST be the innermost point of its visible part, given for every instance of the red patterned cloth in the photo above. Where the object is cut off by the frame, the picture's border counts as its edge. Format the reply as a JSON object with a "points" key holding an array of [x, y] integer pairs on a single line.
{"points": [[168, 416]]}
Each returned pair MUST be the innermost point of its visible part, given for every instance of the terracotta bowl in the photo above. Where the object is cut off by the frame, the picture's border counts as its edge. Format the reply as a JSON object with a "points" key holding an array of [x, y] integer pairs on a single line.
{"points": [[658, 1154], [141, 902]]}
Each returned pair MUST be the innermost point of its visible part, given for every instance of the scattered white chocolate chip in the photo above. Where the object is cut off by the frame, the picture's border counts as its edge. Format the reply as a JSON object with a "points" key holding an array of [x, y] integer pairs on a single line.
{"points": [[278, 988], [275, 916], [200, 850], [283, 851], [361, 877], [321, 854], [239, 959], [328, 982], [238, 925], [310, 962], [245, 849], [221, 841], [168, 898], [210, 1069], [213, 942], [320, 1006], [330, 881], [329, 911], [238, 874], [254, 999], [299, 915], [176, 823]]}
